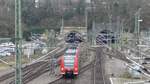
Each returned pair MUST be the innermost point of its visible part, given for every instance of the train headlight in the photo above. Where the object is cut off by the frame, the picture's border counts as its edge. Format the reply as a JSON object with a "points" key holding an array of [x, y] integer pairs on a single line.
{"points": [[62, 69], [75, 69]]}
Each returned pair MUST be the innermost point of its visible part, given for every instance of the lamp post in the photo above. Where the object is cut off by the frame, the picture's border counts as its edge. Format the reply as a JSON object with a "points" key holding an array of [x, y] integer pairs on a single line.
{"points": [[18, 42]]}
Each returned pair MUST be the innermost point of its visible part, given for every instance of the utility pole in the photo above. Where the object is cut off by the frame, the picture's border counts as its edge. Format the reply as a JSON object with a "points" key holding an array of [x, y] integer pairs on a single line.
{"points": [[48, 35], [18, 41], [93, 21], [121, 34], [137, 25], [86, 18], [62, 25], [137, 30], [93, 33], [52, 34], [86, 21]]}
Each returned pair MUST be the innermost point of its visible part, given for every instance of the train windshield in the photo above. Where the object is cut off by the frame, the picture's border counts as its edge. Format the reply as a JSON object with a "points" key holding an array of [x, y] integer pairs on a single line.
{"points": [[69, 57]]}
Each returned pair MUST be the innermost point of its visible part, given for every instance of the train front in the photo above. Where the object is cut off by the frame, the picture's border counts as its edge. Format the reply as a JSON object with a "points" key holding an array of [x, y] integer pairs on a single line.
{"points": [[69, 62]]}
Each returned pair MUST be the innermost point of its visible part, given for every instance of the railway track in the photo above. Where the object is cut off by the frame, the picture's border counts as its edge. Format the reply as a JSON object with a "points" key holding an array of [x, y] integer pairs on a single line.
{"points": [[99, 68], [99, 75], [36, 69], [61, 80], [26, 68], [32, 71]]}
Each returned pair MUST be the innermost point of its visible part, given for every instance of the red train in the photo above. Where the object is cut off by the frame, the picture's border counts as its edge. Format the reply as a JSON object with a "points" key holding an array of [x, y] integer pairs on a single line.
{"points": [[69, 62]]}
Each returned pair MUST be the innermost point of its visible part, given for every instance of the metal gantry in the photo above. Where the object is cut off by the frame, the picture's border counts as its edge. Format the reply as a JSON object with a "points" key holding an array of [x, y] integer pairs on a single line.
{"points": [[18, 41]]}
